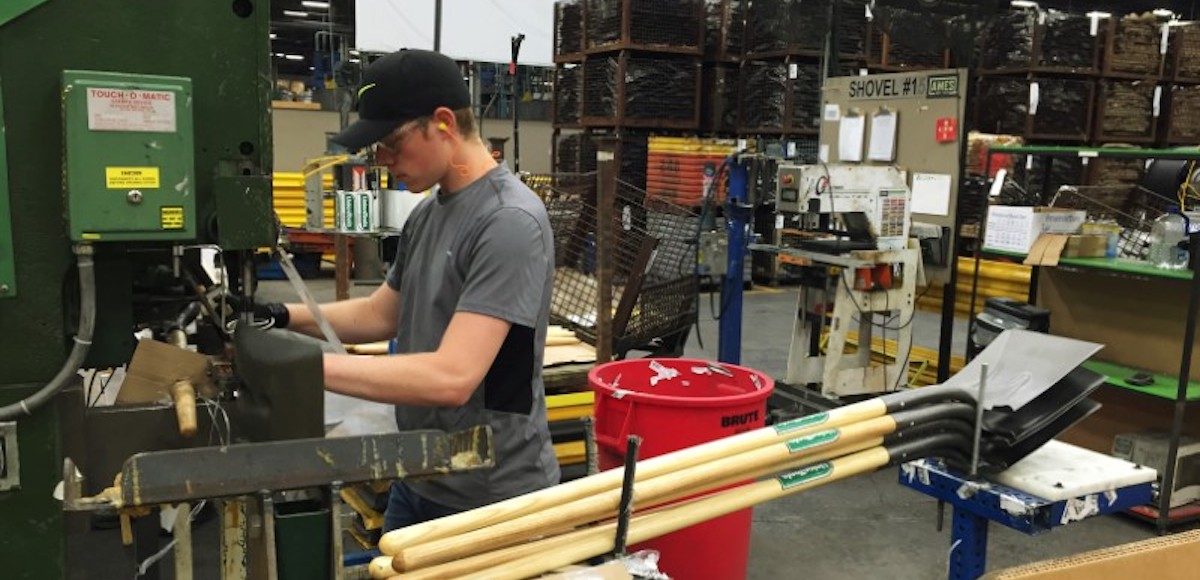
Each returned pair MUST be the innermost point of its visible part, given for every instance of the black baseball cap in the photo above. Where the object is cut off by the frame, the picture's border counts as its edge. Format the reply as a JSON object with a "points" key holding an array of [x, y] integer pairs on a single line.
{"points": [[402, 86]]}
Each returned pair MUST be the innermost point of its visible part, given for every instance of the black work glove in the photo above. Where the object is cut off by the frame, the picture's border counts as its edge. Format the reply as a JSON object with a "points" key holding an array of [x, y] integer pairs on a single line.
{"points": [[273, 311]]}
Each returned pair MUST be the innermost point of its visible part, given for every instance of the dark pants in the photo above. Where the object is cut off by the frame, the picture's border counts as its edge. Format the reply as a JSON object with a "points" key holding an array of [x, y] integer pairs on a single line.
{"points": [[406, 508]]}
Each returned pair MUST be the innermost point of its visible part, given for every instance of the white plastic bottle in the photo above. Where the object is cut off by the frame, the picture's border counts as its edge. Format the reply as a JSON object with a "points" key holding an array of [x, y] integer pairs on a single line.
{"points": [[1165, 235]]}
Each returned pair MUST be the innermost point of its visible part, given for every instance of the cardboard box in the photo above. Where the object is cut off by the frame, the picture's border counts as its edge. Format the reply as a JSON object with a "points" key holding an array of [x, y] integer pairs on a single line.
{"points": [[1086, 246], [1167, 558], [1015, 229]]}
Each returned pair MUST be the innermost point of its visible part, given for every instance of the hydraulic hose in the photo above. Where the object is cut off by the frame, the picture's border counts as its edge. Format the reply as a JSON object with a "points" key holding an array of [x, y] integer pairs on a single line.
{"points": [[82, 338]]}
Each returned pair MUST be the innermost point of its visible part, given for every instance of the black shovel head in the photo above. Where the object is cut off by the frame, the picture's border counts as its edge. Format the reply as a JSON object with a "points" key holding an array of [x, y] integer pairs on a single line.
{"points": [[998, 455], [1013, 427]]}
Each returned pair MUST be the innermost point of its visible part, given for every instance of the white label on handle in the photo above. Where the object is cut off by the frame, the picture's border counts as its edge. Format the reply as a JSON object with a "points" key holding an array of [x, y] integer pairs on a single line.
{"points": [[779, 221], [1041, 17], [791, 149], [1095, 29], [823, 153], [793, 70], [1162, 44], [1028, 162], [1033, 98], [870, 16], [1157, 99], [1084, 159], [741, 144]]}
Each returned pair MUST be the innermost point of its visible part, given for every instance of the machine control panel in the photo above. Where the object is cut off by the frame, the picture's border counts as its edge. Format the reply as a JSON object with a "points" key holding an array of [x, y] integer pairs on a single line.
{"points": [[878, 192], [129, 165]]}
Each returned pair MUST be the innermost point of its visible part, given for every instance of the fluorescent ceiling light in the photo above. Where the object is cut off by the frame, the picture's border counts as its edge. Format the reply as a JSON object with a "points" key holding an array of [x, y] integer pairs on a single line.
{"points": [[279, 55], [295, 13], [274, 36], [317, 5], [1097, 14], [1015, 4], [354, 60], [354, 52], [293, 57], [1163, 12]]}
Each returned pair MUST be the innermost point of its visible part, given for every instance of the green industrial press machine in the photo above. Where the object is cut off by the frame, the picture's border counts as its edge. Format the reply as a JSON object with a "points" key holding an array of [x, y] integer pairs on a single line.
{"points": [[135, 136]]}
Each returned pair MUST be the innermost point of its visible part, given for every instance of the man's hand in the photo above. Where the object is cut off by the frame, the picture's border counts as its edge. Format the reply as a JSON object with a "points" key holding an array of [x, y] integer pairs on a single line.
{"points": [[274, 311]]}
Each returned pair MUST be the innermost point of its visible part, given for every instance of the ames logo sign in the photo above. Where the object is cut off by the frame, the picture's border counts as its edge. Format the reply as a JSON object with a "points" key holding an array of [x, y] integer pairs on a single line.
{"points": [[911, 86]]}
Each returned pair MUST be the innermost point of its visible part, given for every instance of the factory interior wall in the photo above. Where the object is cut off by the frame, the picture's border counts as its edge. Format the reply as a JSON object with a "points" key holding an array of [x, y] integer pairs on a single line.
{"points": [[535, 142], [300, 135]]}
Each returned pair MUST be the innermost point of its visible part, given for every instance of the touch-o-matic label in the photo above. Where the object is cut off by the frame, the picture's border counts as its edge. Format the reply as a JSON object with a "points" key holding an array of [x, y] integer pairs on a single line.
{"points": [[131, 177], [130, 110]]}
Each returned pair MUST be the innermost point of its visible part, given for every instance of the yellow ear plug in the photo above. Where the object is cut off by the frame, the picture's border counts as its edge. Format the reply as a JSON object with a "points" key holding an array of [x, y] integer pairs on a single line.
{"points": [[442, 127]]}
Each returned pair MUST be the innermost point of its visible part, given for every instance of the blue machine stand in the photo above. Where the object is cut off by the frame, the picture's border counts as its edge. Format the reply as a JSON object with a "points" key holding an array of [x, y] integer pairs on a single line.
{"points": [[978, 503], [738, 214]]}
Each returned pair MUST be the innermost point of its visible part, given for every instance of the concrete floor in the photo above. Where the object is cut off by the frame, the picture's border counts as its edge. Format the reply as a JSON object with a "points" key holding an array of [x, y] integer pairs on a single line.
{"points": [[859, 527]]}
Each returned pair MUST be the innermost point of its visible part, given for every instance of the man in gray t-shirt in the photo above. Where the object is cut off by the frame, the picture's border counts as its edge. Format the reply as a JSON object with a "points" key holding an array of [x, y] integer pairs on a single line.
{"points": [[467, 298]]}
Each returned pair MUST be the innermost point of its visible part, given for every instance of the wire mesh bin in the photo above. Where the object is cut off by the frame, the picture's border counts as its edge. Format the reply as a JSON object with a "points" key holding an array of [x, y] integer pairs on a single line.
{"points": [[1183, 120], [1041, 176], [1134, 46], [725, 30], [1185, 52], [1133, 208], [568, 93], [719, 98], [1006, 44], [1066, 42], [1114, 171], [1025, 40], [1002, 106], [780, 97], [575, 153], [1128, 111], [1041, 108], [641, 90], [568, 30], [657, 25], [655, 287], [904, 39], [777, 28]]}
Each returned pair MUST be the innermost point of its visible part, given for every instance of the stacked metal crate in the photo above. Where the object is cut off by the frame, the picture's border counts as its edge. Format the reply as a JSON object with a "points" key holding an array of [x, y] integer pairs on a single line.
{"points": [[624, 68], [902, 39], [1182, 92], [782, 71], [1130, 97], [1038, 70]]}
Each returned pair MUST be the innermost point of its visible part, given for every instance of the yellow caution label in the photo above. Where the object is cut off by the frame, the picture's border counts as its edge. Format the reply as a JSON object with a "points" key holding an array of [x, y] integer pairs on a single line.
{"points": [[171, 217], [131, 177]]}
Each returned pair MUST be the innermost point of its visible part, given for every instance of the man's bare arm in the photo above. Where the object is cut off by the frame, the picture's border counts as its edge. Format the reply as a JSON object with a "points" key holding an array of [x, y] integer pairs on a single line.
{"points": [[369, 319], [444, 378]]}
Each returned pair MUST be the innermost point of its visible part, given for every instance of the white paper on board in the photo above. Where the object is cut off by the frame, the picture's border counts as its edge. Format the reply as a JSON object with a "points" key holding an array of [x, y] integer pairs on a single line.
{"points": [[883, 137], [823, 153], [833, 113], [850, 138], [931, 193]]}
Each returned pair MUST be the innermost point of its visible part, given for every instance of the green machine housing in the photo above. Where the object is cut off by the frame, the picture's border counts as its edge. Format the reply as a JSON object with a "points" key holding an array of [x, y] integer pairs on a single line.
{"points": [[69, 170], [129, 163]]}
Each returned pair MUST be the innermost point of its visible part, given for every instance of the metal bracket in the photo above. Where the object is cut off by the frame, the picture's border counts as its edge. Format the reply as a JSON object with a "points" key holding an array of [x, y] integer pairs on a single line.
{"points": [[179, 475], [10, 465]]}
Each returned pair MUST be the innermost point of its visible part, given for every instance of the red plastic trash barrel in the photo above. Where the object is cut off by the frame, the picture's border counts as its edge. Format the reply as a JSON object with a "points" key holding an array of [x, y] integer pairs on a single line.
{"points": [[690, 403]]}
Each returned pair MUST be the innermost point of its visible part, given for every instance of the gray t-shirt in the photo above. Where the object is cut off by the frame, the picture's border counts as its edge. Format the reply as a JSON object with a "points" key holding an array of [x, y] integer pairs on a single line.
{"points": [[486, 249]]}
